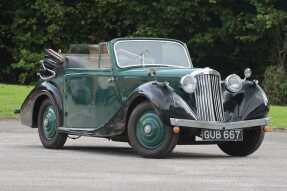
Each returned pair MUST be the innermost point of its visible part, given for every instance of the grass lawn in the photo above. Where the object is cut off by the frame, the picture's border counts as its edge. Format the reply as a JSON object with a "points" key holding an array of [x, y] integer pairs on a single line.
{"points": [[278, 116], [12, 96]]}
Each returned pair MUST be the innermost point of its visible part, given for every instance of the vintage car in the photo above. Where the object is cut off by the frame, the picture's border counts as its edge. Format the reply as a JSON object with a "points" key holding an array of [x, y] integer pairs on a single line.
{"points": [[144, 91]]}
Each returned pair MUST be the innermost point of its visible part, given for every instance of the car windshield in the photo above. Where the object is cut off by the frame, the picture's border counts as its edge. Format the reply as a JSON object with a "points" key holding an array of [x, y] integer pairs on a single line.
{"points": [[141, 53]]}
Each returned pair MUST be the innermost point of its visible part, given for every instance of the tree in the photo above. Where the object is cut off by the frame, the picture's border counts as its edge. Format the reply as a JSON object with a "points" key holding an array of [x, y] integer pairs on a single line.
{"points": [[225, 35]]}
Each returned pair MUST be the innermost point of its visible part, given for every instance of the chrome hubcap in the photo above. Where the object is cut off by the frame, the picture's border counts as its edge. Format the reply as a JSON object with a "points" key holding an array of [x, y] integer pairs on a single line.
{"points": [[147, 129]]}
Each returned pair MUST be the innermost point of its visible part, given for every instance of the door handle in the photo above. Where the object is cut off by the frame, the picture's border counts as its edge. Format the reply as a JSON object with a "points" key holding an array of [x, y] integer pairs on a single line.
{"points": [[110, 80]]}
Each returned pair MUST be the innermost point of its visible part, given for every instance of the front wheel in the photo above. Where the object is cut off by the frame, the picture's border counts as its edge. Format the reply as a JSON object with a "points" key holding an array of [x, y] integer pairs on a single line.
{"points": [[148, 135], [48, 121], [252, 139]]}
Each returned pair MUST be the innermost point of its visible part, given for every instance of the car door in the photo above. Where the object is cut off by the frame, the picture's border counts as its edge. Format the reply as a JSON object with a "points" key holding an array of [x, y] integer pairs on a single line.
{"points": [[90, 94]]}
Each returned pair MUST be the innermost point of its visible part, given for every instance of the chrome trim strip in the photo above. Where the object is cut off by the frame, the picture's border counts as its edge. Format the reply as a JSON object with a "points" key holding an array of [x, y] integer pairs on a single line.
{"points": [[206, 70], [215, 92], [76, 129], [210, 97], [219, 125]]}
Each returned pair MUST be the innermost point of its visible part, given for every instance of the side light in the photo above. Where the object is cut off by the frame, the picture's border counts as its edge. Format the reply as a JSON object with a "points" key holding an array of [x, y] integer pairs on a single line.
{"points": [[247, 73]]}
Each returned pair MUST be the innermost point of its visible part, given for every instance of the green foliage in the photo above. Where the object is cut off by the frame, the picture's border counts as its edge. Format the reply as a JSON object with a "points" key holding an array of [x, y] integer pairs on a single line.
{"points": [[225, 35], [28, 64], [275, 84]]}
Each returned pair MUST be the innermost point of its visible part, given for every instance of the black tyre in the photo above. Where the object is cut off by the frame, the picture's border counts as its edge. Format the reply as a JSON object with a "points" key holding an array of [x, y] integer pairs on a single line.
{"points": [[252, 139], [147, 133], [47, 123]]}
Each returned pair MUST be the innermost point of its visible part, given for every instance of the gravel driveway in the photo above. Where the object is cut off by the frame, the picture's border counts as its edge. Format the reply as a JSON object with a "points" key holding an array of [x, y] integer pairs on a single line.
{"points": [[99, 164]]}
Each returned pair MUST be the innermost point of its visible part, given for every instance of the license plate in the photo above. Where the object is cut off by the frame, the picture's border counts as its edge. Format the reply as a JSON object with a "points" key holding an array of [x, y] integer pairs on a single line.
{"points": [[222, 135]]}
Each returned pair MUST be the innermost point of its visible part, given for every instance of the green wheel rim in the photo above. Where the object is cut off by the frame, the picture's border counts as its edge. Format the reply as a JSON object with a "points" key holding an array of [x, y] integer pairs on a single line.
{"points": [[49, 122], [150, 130]]}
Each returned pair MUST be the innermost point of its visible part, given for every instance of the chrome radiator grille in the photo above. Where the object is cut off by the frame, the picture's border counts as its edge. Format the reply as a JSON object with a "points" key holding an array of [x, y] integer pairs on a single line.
{"points": [[208, 96]]}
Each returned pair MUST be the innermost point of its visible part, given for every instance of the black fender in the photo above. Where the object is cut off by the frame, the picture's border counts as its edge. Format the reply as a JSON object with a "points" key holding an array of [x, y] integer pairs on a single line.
{"points": [[180, 109], [43, 90], [158, 93], [250, 103], [164, 99]]}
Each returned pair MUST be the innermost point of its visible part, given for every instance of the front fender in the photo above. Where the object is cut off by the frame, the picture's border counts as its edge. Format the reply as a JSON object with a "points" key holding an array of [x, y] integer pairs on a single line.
{"points": [[158, 93], [33, 100], [165, 100], [250, 103]]}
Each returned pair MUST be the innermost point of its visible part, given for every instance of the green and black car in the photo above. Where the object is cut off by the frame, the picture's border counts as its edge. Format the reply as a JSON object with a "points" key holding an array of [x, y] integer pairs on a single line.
{"points": [[144, 91]]}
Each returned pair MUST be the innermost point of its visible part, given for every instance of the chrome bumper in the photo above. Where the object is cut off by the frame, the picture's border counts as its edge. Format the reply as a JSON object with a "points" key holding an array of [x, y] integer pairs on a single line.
{"points": [[219, 125]]}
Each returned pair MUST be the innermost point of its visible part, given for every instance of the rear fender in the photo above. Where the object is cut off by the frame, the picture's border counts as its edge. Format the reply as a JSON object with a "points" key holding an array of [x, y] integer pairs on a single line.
{"points": [[29, 108]]}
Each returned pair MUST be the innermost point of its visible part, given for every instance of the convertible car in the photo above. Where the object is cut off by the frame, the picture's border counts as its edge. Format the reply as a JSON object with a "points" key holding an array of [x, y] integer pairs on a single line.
{"points": [[144, 91]]}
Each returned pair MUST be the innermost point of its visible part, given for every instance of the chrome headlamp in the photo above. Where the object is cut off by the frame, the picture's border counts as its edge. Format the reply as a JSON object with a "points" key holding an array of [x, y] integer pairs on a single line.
{"points": [[188, 83], [233, 83]]}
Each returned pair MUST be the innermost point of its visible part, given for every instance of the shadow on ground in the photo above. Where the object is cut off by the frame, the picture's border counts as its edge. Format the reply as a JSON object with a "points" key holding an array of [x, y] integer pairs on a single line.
{"points": [[129, 152]]}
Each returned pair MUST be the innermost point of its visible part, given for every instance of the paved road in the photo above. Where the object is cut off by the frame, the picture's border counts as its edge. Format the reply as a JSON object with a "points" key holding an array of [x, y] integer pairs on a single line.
{"points": [[99, 164]]}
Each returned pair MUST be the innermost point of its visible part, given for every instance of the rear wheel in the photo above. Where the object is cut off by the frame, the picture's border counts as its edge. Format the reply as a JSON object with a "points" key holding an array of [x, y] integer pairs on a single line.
{"points": [[148, 135], [252, 139], [48, 121]]}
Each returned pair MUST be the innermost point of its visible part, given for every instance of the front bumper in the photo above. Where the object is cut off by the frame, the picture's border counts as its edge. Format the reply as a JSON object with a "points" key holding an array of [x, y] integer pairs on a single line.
{"points": [[219, 125]]}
